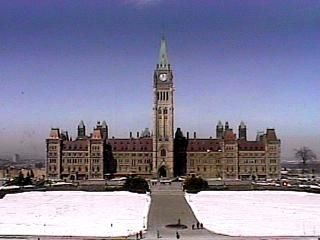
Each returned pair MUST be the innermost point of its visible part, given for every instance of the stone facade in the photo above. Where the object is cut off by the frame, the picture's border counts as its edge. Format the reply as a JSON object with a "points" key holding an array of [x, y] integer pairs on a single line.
{"points": [[87, 157], [163, 154], [229, 157]]}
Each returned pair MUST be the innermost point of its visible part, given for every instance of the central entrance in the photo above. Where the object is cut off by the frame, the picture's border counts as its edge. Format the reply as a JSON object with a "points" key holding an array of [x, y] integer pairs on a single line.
{"points": [[162, 172]]}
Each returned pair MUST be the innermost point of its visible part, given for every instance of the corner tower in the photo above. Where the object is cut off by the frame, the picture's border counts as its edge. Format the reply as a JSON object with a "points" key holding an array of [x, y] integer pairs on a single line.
{"points": [[163, 115]]}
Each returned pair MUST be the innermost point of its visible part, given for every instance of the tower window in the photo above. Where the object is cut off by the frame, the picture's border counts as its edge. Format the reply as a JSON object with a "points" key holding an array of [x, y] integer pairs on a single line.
{"points": [[163, 153], [165, 111]]}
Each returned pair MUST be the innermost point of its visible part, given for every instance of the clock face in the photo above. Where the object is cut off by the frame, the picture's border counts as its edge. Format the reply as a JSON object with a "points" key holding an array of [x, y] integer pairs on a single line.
{"points": [[163, 77]]}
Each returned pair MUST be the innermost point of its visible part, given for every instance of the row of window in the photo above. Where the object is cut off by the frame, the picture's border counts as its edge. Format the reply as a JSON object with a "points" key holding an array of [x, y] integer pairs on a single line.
{"points": [[75, 154], [205, 168], [251, 154], [133, 154], [134, 161], [129, 142], [229, 148], [259, 161], [200, 161], [230, 161], [80, 154], [79, 169], [252, 169], [75, 160], [95, 148], [257, 169], [131, 149], [52, 148], [52, 160], [162, 96], [272, 148], [52, 154], [273, 161], [140, 169]]}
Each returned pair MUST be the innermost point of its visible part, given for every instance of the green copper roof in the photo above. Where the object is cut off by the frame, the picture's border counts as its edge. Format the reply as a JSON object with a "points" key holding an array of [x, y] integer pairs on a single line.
{"points": [[163, 57], [242, 124], [81, 124]]}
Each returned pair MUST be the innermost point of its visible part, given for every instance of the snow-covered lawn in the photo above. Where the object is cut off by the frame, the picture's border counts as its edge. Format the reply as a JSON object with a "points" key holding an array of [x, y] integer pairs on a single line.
{"points": [[258, 213], [74, 213]]}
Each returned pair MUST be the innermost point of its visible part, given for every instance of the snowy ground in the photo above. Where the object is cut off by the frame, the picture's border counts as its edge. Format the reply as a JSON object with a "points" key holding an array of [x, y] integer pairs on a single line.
{"points": [[74, 213], [258, 213]]}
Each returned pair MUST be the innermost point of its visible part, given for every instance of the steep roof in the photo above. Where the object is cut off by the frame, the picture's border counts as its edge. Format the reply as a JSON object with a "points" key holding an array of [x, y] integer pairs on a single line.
{"points": [[271, 135], [244, 145], [76, 145], [229, 136], [203, 145], [131, 144], [54, 133], [81, 124], [163, 55]]}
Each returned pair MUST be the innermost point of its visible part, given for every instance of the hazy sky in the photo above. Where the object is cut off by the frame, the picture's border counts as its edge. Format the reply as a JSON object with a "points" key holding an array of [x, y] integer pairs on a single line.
{"points": [[63, 61]]}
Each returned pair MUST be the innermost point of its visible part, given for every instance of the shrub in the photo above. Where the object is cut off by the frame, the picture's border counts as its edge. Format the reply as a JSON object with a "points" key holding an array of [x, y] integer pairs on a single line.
{"points": [[195, 184], [136, 184]]}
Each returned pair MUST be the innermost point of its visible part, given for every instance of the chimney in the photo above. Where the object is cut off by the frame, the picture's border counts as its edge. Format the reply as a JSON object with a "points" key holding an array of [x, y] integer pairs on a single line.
{"points": [[187, 135], [137, 134], [130, 134], [194, 135]]}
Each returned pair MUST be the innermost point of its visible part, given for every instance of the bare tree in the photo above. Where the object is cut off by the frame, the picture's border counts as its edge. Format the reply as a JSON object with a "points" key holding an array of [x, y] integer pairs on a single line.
{"points": [[304, 154]]}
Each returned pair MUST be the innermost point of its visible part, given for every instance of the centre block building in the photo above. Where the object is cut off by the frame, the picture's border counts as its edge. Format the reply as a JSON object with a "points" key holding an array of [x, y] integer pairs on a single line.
{"points": [[163, 153]]}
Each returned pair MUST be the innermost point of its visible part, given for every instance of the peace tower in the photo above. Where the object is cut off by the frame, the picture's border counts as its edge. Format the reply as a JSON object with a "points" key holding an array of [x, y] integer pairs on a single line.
{"points": [[163, 112]]}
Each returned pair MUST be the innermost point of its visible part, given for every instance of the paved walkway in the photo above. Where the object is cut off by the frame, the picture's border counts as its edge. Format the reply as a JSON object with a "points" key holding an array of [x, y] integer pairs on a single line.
{"points": [[168, 205]]}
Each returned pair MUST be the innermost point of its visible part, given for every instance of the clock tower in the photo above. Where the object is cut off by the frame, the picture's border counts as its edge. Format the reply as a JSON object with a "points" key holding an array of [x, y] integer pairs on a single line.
{"points": [[163, 115]]}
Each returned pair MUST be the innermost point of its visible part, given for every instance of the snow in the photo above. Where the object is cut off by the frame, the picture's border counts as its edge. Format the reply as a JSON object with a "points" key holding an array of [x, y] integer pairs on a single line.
{"points": [[61, 184], [9, 187], [74, 213], [258, 213]]}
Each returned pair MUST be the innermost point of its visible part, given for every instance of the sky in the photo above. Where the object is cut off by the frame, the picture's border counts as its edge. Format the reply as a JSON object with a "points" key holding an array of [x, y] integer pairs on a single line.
{"points": [[66, 61]]}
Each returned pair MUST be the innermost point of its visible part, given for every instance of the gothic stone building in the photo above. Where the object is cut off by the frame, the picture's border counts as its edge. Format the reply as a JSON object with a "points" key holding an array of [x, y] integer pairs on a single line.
{"points": [[163, 153]]}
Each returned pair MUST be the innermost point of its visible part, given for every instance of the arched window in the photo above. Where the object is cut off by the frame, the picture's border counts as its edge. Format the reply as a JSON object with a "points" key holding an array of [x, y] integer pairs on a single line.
{"points": [[163, 153], [159, 110], [165, 111]]}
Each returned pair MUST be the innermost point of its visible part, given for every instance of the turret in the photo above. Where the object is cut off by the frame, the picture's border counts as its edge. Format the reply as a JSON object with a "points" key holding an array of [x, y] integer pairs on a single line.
{"points": [[219, 130], [81, 130], [104, 129], [226, 127], [242, 131]]}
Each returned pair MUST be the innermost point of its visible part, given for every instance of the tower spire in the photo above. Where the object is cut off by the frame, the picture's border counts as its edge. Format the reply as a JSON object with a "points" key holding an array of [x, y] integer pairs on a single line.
{"points": [[163, 56]]}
